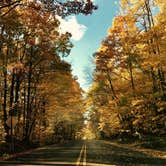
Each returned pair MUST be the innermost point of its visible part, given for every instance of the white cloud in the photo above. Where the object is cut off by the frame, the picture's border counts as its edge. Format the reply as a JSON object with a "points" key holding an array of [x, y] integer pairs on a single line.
{"points": [[71, 25]]}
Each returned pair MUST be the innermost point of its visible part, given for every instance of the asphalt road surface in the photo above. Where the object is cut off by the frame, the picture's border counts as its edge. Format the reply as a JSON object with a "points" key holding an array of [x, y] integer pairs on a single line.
{"points": [[85, 153]]}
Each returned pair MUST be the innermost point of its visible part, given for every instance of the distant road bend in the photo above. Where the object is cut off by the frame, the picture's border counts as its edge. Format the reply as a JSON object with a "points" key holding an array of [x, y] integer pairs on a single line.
{"points": [[85, 153]]}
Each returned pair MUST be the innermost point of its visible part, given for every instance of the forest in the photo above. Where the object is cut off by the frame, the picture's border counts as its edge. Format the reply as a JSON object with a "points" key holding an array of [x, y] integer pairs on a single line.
{"points": [[40, 100], [42, 103], [128, 94]]}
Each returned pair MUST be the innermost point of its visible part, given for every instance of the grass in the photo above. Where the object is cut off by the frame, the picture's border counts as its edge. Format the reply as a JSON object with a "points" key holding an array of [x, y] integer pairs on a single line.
{"points": [[150, 142]]}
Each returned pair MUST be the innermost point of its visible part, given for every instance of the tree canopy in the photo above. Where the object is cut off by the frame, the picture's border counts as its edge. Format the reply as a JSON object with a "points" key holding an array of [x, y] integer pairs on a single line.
{"points": [[39, 98], [129, 90]]}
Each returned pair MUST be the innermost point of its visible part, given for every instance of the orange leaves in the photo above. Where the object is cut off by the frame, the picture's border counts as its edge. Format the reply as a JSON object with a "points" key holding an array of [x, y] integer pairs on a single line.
{"points": [[16, 66], [35, 79], [31, 41], [129, 82], [34, 4], [118, 23]]}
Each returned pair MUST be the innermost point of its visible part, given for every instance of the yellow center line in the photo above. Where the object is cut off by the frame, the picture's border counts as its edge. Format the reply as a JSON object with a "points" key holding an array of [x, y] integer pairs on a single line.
{"points": [[84, 159], [79, 158]]}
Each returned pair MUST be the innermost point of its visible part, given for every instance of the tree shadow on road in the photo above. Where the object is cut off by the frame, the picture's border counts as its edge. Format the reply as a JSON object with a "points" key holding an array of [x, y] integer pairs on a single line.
{"points": [[104, 153]]}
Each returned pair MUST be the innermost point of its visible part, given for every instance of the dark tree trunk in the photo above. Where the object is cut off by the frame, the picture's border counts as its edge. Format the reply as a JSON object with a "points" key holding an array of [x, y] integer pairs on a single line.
{"points": [[11, 109], [131, 77], [111, 85], [28, 108], [5, 93]]}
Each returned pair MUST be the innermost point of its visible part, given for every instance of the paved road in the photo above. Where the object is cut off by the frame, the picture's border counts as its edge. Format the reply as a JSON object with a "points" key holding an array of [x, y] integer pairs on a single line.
{"points": [[85, 153]]}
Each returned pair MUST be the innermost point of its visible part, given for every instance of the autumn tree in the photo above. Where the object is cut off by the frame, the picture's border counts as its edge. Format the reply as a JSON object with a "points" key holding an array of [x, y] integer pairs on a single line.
{"points": [[30, 50], [130, 70]]}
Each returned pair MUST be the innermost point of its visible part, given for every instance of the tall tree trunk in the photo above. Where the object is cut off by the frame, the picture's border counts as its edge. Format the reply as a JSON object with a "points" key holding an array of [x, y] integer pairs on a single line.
{"points": [[11, 109], [154, 49], [131, 76], [111, 85], [154, 84], [28, 109], [16, 99], [34, 113], [162, 83], [5, 87], [24, 111]]}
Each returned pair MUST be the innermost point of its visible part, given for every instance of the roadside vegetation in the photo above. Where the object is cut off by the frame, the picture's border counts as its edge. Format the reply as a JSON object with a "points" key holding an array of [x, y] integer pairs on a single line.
{"points": [[40, 100], [127, 100]]}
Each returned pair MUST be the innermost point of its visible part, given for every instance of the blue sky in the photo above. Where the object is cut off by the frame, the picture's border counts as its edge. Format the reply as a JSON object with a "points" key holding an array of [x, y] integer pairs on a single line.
{"points": [[88, 32]]}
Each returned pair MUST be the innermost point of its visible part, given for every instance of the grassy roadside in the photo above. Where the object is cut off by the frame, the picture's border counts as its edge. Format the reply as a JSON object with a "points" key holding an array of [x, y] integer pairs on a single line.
{"points": [[151, 146], [21, 147], [150, 142], [158, 143]]}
